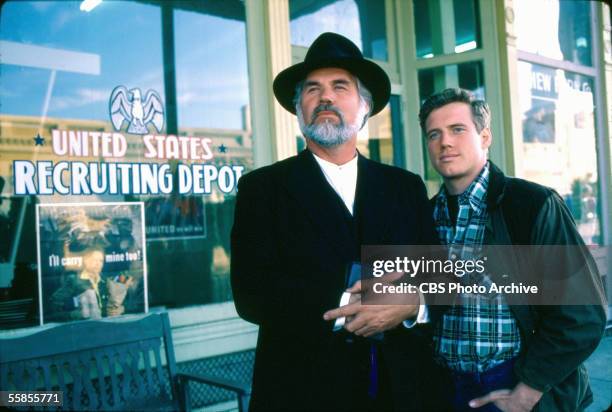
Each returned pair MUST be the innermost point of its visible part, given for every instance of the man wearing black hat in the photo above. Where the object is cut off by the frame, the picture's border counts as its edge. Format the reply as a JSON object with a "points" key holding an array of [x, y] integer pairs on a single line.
{"points": [[299, 224]]}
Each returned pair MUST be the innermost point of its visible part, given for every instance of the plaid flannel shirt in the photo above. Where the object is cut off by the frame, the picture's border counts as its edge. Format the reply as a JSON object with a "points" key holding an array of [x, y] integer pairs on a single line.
{"points": [[478, 332]]}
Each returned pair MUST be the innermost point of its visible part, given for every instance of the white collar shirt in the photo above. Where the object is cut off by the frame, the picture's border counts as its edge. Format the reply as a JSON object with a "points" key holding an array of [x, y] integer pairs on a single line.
{"points": [[343, 179]]}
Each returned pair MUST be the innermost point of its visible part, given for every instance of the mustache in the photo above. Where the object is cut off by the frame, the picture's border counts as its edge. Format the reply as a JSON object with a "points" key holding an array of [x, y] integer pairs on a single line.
{"points": [[327, 108]]}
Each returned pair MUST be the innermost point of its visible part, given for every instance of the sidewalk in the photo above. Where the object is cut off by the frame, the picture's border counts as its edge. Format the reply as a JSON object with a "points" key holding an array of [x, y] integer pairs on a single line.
{"points": [[599, 366]]}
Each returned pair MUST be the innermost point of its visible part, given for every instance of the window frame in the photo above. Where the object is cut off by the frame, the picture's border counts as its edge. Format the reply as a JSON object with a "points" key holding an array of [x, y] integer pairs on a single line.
{"points": [[596, 72]]}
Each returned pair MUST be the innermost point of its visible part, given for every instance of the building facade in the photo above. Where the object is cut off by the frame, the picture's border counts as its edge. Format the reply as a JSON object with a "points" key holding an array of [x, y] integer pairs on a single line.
{"points": [[168, 87]]}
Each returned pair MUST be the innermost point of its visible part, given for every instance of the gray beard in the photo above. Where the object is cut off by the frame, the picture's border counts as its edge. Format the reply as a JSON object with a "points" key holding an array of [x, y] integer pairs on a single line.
{"points": [[327, 134]]}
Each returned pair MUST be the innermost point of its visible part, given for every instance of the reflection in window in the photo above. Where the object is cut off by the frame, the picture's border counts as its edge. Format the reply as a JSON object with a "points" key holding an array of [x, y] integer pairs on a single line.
{"points": [[468, 76], [362, 21], [564, 33], [558, 125], [212, 102], [61, 76], [79, 60], [375, 140], [211, 71], [442, 30]]}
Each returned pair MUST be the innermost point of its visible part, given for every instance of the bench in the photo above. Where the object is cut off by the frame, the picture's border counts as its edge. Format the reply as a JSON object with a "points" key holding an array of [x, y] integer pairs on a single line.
{"points": [[110, 364]]}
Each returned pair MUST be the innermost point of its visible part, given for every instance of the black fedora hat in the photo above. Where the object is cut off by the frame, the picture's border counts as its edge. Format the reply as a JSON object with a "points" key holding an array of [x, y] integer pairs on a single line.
{"points": [[334, 50]]}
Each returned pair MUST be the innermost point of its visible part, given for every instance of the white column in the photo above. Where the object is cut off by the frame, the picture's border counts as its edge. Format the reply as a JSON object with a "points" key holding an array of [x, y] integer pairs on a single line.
{"points": [[269, 52]]}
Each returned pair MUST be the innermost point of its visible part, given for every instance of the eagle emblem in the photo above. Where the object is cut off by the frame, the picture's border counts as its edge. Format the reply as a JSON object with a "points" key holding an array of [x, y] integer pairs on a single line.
{"points": [[128, 105]]}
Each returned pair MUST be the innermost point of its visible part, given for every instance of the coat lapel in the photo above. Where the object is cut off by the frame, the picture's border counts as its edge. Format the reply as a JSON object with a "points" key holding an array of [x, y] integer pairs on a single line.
{"points": [[321, 204], [372, 204]]}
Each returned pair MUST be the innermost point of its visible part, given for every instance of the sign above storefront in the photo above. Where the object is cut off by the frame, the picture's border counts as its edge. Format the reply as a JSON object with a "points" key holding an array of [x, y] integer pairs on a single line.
{"points": [[72, 177], [546, 81]]}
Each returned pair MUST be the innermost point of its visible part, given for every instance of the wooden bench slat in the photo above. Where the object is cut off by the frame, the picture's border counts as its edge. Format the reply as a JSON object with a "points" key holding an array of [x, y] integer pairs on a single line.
{"points": [[98, 359], [81, 335], [115, 390], [146, 348]]}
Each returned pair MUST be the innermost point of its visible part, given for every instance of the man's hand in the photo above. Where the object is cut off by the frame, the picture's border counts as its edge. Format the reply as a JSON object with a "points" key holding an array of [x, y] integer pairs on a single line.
{"points": [[521, 399], [368, 320]]}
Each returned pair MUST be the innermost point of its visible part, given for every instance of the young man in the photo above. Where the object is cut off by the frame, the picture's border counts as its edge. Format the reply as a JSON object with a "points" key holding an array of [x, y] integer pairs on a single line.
{"points": [[503, 357], [298, 227]]}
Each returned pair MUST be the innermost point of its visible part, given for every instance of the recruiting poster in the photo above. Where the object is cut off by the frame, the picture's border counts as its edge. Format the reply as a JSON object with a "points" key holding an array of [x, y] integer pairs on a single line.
{"points": [[91, 260]]}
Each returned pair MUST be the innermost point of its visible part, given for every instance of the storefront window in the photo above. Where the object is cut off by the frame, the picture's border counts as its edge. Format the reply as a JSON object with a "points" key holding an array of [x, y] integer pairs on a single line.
{"points": [[557, 106], [381, 137], [362, 21], [105, 113], [211, 76], [558, 125], [468, 76], [76, 60], [441, 29], [565, 33]]}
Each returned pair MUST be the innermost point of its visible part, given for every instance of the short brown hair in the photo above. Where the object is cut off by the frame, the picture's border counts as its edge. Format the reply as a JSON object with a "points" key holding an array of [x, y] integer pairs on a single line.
{"points": [[481, 114]]}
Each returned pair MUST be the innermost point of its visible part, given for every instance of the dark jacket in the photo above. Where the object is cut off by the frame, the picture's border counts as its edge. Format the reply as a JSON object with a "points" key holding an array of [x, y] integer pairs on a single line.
{"points": [[64, 301], [292, 242], [556, 340]]}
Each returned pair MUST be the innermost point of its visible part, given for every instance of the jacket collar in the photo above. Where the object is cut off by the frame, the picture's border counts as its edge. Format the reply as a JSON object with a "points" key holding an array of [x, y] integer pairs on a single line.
{"points": [[372, 202], [475, 195], [497, 186], [495, 191]]}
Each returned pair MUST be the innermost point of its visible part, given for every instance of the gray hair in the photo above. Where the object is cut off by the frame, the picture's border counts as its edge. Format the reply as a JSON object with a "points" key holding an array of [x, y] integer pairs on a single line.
{"points": [[481, 114]]}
